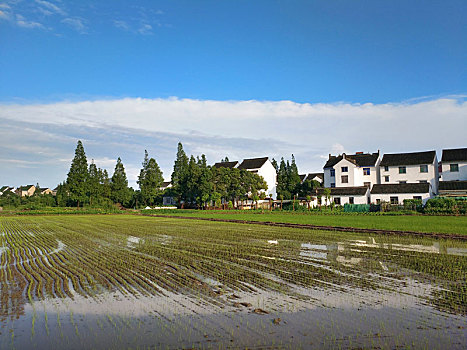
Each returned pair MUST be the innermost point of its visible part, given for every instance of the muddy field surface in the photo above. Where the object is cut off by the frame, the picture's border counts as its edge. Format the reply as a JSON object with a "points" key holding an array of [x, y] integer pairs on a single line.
{"points": [[115, 281]]}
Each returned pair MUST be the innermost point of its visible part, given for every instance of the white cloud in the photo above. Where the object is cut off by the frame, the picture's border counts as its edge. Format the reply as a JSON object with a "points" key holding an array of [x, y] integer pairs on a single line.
{"points": [[121, 24], [4, 14], [237, 129], [76, 23], [51, 7], [22, 22], [145, 29]]}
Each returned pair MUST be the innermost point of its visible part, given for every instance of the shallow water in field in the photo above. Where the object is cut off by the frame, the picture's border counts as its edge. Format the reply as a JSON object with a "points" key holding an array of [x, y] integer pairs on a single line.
{"points": [[132, 282]]}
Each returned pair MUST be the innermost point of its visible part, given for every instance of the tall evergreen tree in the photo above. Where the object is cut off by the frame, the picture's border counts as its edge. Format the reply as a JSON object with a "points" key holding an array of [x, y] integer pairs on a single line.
{"points": [[77, 179], [120, 192], [105, 183], [180, 165], [293, 178], [150, 180]]}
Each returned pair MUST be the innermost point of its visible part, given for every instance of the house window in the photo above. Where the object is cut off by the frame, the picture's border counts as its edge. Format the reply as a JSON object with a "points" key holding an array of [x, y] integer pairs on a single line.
{"points": [[345, 169], [403, 182], [417, 197], [424, 168], [345, 179], [386, 168], [366, 171], [423, 181], [351, 201], [402, 170], [454, 168], [378, 201], [386, 178], [333, 184], [394, 200], [337, 200], [333, 173]]}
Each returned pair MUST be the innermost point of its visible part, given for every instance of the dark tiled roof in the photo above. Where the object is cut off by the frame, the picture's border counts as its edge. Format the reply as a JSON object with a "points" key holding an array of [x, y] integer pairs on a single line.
{"points": [[414, 158], [165, 184], [458, 154], [25, 188], [3, 188], [311, 176], [253, 163], [345, 191], [302, 177], [359, 159], [452, 185], [226, 164], [400, 188]]}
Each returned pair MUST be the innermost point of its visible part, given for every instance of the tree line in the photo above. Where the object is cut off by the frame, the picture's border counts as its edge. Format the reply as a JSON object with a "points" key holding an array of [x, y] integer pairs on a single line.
{"points": [[194, 183]]}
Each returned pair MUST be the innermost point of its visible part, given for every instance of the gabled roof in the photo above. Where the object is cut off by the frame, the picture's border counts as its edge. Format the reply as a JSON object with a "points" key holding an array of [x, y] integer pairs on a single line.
{"points": [[413, 158], [452, 185], [3, 188], [311, 176], [457, 154], [400, 188], [302, 177], [253, 163], [226, 164], [359, 159], [25, 188], [165, 183], [345, 191]]}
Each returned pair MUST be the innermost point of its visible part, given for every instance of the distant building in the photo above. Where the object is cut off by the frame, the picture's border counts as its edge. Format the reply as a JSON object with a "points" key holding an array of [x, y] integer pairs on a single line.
{"points": [[46, 190], [454, 164], [410, 168], [233, 164], [263, 167], [25, 191], [7, 189], [360, 169], [396, 193], [315, 177]]}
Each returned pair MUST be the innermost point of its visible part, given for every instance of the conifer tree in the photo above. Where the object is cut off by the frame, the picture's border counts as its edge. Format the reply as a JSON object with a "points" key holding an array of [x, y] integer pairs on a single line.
{"points": [[293, 178], [93, 183], [150, 180], [119, 184], [77, 180], [180, 166]]}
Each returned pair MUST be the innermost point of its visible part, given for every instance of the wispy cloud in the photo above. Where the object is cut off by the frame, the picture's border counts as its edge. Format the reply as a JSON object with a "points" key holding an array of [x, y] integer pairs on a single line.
{"points": [[76, 24], [22, 22], [50, 8], [121, 24], [145, 29]]}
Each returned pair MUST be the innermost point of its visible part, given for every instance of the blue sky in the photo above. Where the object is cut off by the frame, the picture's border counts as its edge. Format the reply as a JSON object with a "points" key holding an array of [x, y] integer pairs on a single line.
{"points": [[333, 60]]}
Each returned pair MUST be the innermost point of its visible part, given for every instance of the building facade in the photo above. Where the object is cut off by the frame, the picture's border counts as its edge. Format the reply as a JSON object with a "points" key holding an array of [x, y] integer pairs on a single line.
{"points": [[454, 164]]}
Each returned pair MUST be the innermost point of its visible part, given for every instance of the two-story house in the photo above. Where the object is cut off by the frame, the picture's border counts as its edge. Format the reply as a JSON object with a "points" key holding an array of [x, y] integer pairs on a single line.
{"points": [[360, 169], [415, 167], [24, 191]]}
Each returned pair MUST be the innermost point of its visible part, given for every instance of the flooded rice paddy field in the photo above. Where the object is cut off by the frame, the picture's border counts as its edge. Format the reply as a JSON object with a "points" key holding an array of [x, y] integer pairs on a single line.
{"points": [[138, 282]]}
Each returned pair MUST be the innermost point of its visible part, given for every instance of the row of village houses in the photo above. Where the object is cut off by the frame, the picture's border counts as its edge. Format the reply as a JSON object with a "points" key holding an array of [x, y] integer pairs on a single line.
{"points": [[359, 178]]}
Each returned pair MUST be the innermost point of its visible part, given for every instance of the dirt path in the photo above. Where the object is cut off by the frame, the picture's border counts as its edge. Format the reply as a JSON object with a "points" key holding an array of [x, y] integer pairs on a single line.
{"points": [[324, 228]]}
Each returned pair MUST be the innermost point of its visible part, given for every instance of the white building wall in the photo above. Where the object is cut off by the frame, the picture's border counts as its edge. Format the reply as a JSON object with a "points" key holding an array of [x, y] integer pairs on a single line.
{"points": [[346, 199], [400, 197], [268, 172], [447, 175], [412, 175]]}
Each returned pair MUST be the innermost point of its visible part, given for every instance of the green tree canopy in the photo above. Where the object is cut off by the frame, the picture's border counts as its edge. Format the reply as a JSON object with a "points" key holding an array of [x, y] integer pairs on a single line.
{"points": [[120, 192], [77, 180]]}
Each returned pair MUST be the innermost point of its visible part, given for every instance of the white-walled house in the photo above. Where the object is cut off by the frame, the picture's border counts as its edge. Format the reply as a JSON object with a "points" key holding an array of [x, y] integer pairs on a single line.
{"points": [[360, 169], [410, 168], [454, 164], [396, 193], [263, 167], [346, 195], [26, 191], [452, 189]]}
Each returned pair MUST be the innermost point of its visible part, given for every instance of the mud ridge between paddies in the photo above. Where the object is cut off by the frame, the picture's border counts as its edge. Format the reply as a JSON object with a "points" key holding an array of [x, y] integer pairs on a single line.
{"points": [[320, 227]]}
